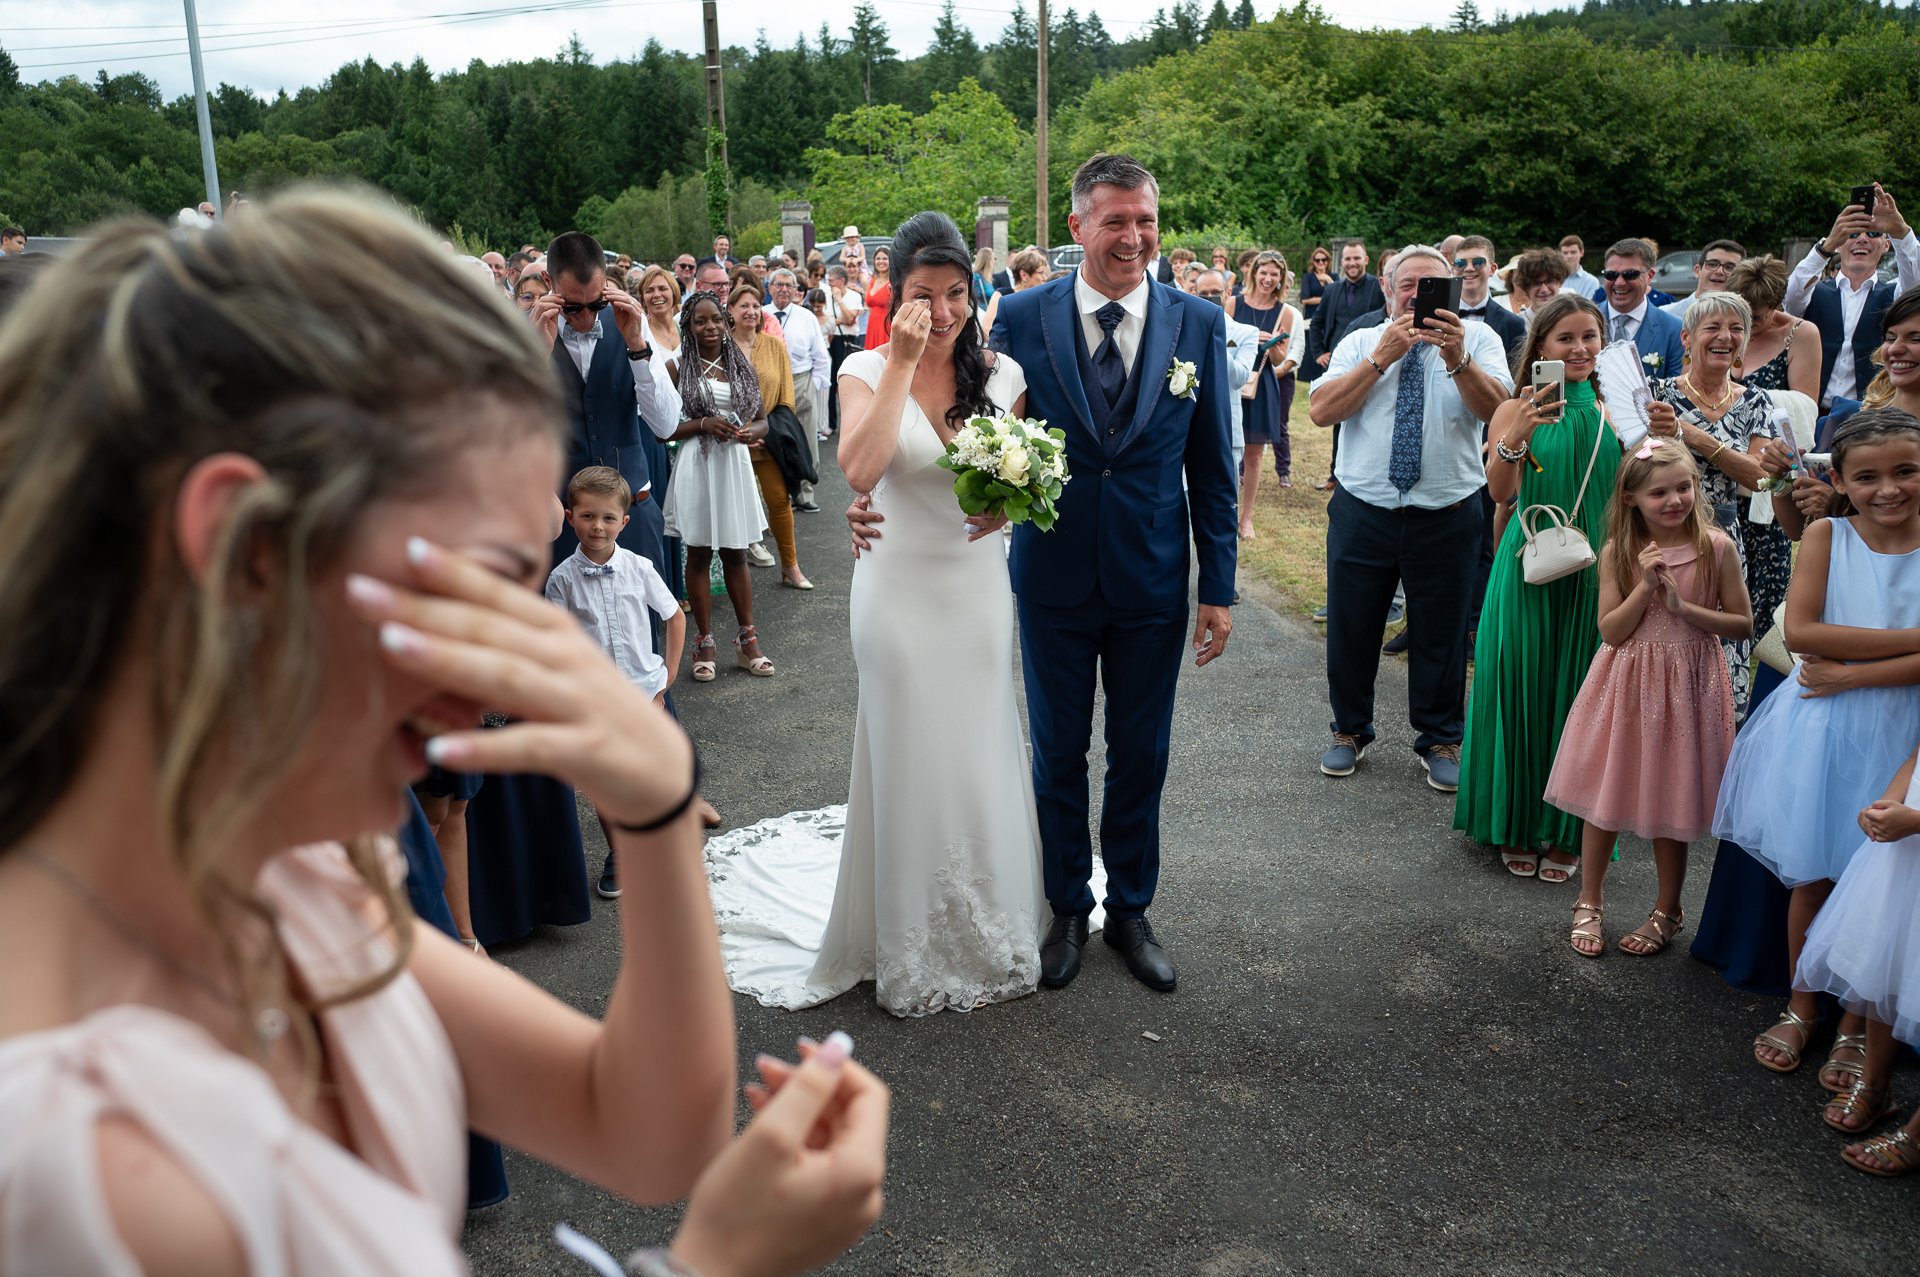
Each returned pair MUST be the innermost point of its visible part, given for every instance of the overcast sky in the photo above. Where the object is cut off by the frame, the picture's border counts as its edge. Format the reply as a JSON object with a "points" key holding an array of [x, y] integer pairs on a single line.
{"points": [[256, 43]]}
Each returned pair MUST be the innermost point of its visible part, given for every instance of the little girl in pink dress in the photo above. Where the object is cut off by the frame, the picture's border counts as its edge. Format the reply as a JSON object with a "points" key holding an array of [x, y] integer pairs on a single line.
{"points": [[1648, 736]]}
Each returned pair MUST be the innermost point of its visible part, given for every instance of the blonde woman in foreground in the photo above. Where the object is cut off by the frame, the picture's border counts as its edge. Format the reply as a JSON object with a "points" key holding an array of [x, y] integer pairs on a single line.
{"points": [[274, 539]]}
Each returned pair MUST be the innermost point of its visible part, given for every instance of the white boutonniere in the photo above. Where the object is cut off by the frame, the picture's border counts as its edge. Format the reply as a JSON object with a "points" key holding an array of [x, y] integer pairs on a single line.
{"points": [[1182, 379], [1653, 361]]}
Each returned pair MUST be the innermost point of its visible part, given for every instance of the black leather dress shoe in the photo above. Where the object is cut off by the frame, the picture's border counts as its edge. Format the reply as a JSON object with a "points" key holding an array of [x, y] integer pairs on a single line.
{"points": [[1133, 937], [1060, 951]]}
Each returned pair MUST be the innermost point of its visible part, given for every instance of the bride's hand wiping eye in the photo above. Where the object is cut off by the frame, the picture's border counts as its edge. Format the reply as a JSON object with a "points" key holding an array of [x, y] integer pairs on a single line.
{"points": [[907, 339]]}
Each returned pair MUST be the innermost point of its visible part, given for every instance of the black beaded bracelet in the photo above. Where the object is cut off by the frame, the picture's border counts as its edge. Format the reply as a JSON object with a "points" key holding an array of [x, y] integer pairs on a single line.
{"points": [[679, 810]]}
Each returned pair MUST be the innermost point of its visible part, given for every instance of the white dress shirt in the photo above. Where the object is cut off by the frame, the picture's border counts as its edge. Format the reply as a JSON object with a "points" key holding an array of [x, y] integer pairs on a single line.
{"points": [[1635, 317], [806, 345], [1132, 327], [580, 345], [611, 603], [1451, 468]]}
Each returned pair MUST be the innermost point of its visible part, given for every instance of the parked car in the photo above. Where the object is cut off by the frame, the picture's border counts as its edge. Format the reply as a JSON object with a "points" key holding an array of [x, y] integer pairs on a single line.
{"points": [[870, 244], [1673, 273], [1066, 256]]}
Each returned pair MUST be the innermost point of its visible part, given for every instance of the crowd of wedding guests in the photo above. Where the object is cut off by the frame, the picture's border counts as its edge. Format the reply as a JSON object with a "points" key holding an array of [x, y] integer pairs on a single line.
{"points": [[1604, 701]]}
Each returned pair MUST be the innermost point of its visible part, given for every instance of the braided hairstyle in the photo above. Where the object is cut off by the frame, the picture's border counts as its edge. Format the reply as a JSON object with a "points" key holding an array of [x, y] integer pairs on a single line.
{"points": [[695, 399]]}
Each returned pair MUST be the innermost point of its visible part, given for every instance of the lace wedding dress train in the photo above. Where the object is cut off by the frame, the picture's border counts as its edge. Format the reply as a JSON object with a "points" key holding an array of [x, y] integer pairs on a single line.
{"points": [[934, 862]]}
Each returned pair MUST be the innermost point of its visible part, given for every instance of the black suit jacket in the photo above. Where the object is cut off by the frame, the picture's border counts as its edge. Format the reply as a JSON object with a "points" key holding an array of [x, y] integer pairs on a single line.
{"points": [[1511, 328], [1339, 308], [1002, 281], [1164, 271]]}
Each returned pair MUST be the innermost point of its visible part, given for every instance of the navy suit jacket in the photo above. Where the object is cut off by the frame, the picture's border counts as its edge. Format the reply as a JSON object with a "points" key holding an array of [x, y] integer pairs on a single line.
{"points": [[605, 430], [1337, 317], [1825, 314], [1126, 517]]}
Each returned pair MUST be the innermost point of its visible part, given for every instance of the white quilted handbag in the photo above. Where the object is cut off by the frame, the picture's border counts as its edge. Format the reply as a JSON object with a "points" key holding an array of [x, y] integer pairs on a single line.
{"points": [[1558, 549]]}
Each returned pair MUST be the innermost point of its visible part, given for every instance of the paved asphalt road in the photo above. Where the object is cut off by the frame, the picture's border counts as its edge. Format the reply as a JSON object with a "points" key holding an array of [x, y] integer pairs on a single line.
{"points": [[1382, 1055]]}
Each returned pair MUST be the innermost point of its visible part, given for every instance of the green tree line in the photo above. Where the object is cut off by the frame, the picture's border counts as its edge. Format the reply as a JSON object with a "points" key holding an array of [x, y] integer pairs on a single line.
{"points": [[1680, 121]]}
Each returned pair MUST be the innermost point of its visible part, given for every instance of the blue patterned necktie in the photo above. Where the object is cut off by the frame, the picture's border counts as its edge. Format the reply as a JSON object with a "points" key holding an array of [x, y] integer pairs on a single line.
{"points": [[1409, 421], [1108, 367]]}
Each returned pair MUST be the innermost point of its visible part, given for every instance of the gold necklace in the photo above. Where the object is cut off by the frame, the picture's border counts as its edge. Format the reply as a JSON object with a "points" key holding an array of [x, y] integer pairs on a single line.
{"points": [[1700, 397]]}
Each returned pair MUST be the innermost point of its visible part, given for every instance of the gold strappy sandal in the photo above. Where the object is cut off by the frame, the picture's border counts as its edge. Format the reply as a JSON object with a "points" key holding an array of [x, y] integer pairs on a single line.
{"points": [[1665, 927], [1772, 1039], [1849, 1069], [1588, 929]]}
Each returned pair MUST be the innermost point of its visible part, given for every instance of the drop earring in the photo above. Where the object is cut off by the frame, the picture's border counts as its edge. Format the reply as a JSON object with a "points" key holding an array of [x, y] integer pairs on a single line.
{"points": [[1686, 357], [1737, 365]]}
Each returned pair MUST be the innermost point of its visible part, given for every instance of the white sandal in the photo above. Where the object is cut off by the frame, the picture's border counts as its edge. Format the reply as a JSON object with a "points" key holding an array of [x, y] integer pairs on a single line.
{"points": [[1528, 862]]}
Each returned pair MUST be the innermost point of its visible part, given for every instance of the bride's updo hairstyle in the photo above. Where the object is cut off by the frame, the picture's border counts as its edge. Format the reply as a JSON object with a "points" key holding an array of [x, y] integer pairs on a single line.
{"points": [[125, 365], [932, 240]]}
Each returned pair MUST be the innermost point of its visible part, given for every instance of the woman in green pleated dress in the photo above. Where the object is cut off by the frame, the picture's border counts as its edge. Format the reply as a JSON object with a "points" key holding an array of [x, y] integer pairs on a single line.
{"points": [[1536, 641]]}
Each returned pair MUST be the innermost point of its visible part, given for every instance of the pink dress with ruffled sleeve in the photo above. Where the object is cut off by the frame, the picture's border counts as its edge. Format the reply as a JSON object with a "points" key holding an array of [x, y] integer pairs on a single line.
{"points": [[299, 1203]]}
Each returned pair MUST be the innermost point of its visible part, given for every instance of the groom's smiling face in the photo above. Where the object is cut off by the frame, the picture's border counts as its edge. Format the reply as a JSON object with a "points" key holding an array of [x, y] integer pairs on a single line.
{"points": [[1121, 232]]}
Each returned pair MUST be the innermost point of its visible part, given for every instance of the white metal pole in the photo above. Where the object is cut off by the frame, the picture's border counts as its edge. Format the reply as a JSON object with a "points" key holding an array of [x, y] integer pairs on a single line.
{"points": [[208, 168]]}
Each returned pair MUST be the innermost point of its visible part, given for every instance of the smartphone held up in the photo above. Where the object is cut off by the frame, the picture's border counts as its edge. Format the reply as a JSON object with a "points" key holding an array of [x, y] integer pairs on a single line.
{"points": [[1550, 386]]}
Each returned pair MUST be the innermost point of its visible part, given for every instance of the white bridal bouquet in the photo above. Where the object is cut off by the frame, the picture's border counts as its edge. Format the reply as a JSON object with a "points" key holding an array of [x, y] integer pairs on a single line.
{"points": [[1009, 465]]}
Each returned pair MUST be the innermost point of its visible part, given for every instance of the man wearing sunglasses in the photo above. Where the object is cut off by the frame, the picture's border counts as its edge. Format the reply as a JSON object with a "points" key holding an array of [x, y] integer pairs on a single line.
{"points": [[609, 386], [1847, 308], [1631, 314], [1710, 273]]}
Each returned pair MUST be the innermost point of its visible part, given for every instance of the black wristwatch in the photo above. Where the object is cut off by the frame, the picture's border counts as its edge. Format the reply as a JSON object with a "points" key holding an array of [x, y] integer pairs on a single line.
{"points": [[1820, 247], [645, 352]]}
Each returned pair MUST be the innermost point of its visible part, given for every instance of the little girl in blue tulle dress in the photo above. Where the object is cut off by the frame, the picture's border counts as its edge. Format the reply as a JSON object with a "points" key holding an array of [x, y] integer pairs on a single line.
{"points": [[1864, 949], [1805, 765]]}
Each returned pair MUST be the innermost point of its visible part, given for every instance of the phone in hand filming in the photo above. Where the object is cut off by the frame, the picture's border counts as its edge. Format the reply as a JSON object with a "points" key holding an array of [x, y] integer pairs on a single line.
{"points": [[1550, 385], [1863, 196], [1433, 293]]}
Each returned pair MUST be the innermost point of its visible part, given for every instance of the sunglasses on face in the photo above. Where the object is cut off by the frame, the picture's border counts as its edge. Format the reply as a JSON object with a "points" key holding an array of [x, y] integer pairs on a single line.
{"points": [[597, 305], [1868, 235], [1628, 275], [1461, 263]]}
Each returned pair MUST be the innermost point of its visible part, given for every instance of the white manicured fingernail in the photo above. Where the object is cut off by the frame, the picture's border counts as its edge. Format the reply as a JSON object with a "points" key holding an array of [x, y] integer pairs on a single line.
{"points": [[836, 1050], [446, 751], [399, 638], [421, 553], [368, 592]]}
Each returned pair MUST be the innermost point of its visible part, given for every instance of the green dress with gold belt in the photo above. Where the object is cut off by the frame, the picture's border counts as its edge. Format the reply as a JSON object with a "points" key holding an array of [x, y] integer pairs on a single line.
{"points": [[1535, 644]]}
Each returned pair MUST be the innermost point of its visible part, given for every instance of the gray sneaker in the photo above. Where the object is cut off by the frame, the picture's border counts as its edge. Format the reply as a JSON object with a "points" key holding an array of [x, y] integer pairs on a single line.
{"points": [[1342, 756], [1443, 768]]}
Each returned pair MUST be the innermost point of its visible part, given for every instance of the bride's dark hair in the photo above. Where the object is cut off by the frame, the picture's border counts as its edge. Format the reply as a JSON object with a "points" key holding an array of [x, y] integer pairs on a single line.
{"points": [[932, 239]]}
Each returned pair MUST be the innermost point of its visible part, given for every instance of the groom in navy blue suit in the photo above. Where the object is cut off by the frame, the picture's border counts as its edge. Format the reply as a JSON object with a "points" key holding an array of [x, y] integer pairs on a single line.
{"points": [[1135, 373]]}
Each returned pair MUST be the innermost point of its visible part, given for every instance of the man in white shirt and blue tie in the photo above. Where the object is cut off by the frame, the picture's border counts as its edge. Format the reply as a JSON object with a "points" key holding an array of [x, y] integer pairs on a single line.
{"points": [[1406, 508]]}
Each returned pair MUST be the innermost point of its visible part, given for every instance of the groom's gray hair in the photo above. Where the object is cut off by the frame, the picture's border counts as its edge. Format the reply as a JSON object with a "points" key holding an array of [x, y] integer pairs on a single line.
{"points": [[1103, 169]]}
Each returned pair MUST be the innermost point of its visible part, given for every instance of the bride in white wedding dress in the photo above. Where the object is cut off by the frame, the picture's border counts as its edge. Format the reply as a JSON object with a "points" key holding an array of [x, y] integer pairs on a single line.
{"points": [[938, 894]]}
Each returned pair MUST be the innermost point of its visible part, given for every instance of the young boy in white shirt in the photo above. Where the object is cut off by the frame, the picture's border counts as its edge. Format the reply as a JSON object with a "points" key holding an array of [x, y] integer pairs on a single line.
{"points": [[610, 590]]}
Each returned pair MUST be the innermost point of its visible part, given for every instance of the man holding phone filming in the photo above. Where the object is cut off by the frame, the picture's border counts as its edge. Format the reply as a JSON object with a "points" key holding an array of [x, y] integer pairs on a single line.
{"points": [[1847, 308], [1406, 509]]}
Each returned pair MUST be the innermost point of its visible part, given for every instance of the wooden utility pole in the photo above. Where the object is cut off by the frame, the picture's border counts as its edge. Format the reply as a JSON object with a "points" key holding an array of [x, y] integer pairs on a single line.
{"points": [[716, 91], [1040, 136]]}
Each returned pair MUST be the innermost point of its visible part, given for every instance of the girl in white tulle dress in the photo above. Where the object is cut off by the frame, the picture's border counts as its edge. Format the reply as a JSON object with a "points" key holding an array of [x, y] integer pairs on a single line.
{"points": [[1864, 948]]}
